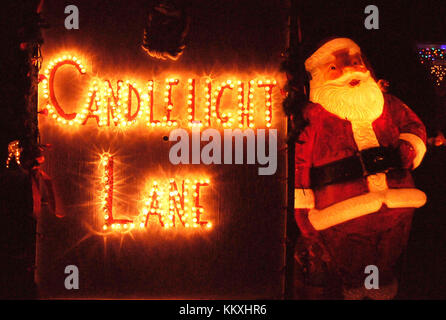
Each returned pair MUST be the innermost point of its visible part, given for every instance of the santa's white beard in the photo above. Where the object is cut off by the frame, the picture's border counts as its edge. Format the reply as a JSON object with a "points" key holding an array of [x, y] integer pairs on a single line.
{"points": [[363, 102]]}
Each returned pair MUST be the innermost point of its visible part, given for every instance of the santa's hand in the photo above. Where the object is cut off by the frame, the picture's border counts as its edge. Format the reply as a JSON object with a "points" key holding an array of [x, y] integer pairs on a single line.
{"points": [[407, 153], [304, 224], [439, 139], [383, 85]]}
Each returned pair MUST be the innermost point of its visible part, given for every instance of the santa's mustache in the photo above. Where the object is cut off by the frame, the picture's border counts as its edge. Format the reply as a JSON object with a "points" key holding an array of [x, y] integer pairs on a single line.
{"points": [[348, 77], [353, 96]]}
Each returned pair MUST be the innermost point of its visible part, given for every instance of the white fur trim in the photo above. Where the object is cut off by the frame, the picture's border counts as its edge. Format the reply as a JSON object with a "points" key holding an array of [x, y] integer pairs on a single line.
{"points": [[324, 53], [417, 144], [404, 198], [365, 204], [365, 138], [364, 135], [377, 182], [303, 199], [345, 210]]}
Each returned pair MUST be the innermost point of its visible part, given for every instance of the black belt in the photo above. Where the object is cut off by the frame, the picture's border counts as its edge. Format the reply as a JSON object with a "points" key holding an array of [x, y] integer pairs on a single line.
{"points": [[364, 163]]}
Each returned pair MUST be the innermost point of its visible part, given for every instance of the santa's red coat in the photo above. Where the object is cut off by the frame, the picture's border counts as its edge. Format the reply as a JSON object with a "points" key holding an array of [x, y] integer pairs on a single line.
{"points": [[365, 206]]}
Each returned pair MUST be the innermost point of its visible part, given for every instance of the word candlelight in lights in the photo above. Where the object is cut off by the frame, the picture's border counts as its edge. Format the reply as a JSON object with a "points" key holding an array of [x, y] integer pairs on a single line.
{"points": [[126, 103], [163, 202]]}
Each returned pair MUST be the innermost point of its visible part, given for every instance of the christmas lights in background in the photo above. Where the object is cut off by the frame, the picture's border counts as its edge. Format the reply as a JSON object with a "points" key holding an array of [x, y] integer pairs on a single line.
{"points": [[14, 151], [432, 54], [435, 58]]}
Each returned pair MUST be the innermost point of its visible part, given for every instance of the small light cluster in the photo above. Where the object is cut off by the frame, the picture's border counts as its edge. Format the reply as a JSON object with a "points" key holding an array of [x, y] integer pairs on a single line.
{"points": [[14, 151], [439, 72], [432, 54], [268, 85]]}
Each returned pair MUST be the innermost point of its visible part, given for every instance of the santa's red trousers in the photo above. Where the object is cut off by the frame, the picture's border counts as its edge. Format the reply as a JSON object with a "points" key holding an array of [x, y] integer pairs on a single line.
{"points": [[337, 257]]}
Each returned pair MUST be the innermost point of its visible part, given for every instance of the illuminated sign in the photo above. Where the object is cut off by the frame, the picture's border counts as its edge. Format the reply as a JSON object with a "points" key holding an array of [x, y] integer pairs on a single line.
{"points": [[127, 103], [173, 103], [164, 200]]}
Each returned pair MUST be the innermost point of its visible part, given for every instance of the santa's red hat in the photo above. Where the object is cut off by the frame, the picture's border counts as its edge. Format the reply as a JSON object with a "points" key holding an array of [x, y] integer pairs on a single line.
{"points": [[324, 53]]}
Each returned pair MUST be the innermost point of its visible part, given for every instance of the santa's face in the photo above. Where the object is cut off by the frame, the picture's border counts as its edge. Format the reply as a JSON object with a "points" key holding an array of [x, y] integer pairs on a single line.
{"points": [[343, 62], [344, 86]]}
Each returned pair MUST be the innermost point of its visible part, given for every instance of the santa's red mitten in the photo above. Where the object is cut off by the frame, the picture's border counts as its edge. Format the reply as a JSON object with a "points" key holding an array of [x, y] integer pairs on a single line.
{"points": [[407, 154]]}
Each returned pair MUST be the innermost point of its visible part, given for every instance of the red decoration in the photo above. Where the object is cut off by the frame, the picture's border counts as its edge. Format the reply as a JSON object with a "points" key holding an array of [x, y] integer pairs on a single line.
{"points": [[51, 77]]}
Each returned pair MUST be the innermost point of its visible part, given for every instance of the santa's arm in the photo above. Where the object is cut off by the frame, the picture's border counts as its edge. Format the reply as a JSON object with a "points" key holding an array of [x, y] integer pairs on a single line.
{"points": [[303, 195], [411, 129]]}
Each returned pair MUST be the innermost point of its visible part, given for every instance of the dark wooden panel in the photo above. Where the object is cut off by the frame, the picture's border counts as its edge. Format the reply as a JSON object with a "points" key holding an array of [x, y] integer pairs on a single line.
{"points": [[242, 256]]}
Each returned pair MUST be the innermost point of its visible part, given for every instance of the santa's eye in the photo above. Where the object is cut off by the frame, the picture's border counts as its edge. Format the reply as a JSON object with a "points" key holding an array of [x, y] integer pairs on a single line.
{"points": [[332, 67]]}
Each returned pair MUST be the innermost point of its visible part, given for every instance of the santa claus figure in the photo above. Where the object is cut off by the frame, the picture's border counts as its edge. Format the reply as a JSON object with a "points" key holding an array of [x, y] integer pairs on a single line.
{"points": [[354, 193]]}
